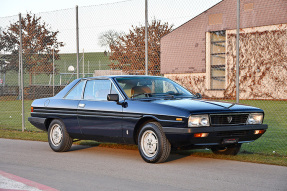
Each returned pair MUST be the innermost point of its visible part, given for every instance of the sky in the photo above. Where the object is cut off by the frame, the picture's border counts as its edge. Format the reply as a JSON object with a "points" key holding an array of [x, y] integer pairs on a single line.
{"points": [[14, 7], [98, 16]]}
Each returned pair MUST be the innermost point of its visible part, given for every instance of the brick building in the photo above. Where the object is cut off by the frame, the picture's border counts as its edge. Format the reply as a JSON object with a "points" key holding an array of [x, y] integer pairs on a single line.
{"points": [[201, 53]]}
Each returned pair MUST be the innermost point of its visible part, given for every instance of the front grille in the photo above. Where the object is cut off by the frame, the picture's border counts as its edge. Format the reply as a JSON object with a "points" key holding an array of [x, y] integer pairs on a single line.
{"points": [[229, 119]]}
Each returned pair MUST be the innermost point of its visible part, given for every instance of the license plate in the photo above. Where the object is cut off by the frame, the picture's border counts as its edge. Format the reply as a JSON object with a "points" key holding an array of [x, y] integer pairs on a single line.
{"points": [[230, 141]]}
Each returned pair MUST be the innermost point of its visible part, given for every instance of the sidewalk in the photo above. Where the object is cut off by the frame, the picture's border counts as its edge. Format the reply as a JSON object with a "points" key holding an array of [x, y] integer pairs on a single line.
{"points": [[10, 182]]}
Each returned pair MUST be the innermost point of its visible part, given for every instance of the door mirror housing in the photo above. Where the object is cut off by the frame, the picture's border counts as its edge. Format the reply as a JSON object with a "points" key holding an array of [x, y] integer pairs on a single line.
{"points": [[113, 97], [198, 95]]}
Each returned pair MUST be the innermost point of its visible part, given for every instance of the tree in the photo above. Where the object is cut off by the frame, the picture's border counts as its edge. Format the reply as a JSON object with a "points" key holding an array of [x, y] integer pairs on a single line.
{"points": [[108, 38], [38, 42], [128, 51]]}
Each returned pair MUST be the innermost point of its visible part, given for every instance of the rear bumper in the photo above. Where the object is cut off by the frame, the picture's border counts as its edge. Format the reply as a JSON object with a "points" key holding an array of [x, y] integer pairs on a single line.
{"points": [[185, 136], [38, 122]]}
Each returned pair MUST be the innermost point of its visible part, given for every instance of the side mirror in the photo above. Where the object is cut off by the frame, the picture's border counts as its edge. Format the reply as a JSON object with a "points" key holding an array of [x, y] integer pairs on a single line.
{"points": [[198, 95], [113, 97]]}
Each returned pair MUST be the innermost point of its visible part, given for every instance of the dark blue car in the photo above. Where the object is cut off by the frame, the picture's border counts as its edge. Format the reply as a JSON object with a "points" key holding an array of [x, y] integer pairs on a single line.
{"points": [[155, 113]]}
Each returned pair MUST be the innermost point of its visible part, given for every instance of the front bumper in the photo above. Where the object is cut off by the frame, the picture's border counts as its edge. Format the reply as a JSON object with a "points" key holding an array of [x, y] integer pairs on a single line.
{"points": [[216, 134]]}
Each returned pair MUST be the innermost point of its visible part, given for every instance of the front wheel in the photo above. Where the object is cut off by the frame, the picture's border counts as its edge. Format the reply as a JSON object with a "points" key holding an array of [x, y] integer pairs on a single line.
{"points": [[153, 144], [227, 150], [58, 137]]}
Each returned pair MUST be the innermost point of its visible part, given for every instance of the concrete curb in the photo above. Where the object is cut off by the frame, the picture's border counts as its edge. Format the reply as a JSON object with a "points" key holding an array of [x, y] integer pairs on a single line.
{"points": [[10, 182]]}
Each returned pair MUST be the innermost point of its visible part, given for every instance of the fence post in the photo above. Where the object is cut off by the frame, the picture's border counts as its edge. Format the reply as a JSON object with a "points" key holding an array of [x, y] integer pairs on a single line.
{"points": [[83, 63], [146, 37], [237, 51], [19, 71], [53, 72], [77, 39], [22, 73]]}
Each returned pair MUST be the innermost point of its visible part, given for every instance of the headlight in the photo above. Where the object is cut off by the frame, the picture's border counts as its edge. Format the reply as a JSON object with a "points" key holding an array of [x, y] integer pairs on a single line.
{"points": [[198, 120], [255, 118]]}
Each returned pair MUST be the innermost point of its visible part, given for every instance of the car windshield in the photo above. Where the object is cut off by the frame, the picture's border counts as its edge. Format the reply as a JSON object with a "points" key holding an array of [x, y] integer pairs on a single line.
{"points": [[142, 87]]}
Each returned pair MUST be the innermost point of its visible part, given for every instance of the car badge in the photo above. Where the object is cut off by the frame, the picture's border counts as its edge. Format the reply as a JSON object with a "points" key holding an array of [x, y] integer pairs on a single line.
{"points": [[229, 119]]}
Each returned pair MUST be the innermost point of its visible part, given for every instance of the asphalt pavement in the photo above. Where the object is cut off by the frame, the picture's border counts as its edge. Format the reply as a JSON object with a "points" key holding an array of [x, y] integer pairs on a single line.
{"points": [[98, 168]]}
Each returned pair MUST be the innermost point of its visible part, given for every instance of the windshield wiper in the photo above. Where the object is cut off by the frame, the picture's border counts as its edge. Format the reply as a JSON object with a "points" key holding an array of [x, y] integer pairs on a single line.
{"points": [[174, 94], [136, 95], [179, 95]]}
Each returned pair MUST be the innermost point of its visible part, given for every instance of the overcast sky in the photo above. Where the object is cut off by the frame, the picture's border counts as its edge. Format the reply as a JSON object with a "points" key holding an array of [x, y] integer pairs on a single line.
{"points": [[98, 16], [14, 7]]}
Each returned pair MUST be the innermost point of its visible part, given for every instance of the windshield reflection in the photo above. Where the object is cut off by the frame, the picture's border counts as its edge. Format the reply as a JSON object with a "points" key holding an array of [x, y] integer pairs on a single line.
{"points": [[151, 87]]}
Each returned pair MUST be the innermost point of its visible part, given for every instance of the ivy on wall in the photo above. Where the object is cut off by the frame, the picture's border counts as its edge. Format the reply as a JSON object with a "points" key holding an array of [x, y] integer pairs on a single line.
{"points": [[195, 84], [262, 64]]}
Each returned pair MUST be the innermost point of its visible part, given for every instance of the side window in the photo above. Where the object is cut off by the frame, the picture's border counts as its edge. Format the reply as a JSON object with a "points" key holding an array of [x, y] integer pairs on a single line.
{"points": [[76, 92], [98, 90]]}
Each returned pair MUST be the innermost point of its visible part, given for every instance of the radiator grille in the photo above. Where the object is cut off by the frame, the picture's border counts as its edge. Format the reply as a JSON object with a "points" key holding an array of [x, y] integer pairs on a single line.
{"points": [[229, 119]]}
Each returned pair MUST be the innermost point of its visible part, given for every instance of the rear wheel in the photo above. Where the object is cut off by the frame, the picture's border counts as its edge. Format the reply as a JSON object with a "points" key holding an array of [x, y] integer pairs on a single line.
{"points": [[58, 137], [227, 150], [153, 144]]}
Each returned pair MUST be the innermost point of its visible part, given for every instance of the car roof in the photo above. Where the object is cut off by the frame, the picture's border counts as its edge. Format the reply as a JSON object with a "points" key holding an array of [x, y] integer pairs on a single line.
{"points": [[124, 76]]}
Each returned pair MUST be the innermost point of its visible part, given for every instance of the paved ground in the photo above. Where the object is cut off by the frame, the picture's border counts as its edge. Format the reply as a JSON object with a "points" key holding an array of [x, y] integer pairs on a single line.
{"points": [[96, 168], [10, 182]]}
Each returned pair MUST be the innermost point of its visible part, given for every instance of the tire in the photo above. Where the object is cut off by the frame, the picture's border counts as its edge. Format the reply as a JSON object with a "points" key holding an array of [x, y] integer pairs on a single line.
{"points": [[153, 144], [228, 150], [58, 137]]}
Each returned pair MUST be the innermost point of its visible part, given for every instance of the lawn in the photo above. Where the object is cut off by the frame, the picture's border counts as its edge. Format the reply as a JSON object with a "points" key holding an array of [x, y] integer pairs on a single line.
{"points": [[10, 115], [273, 142], [93, 61]]}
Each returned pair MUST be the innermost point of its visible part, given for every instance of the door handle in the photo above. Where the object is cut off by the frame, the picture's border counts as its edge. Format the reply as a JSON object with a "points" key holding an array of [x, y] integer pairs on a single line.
{"points": [[81, 105]]}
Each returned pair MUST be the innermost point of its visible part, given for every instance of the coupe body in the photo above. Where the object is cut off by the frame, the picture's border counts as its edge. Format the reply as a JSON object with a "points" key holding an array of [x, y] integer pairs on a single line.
{"points": [[155, 113]]}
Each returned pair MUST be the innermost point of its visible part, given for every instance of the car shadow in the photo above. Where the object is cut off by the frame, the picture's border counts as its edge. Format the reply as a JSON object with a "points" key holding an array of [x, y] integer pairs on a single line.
{"points": [[80, 147], [174, 155], [177, 155]]}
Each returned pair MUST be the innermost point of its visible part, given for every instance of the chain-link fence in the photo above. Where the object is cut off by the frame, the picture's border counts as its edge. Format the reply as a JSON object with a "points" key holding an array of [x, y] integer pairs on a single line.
{"points": [[191, 42]]}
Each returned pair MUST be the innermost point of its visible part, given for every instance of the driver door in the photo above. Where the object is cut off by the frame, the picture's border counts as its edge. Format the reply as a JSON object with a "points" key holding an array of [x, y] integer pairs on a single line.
{"points": [[98, 118]]}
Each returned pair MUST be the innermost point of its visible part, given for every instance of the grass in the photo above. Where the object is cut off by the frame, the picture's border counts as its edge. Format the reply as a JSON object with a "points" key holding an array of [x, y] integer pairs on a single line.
{"points": [[243, 156], [96, 60], [93, 61], [10, 114], [274, 140], [272, 143], [26, 135]]}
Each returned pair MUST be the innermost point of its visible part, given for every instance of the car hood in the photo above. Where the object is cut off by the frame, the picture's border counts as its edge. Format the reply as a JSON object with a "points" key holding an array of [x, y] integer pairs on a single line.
{"points": [[207, 106]]}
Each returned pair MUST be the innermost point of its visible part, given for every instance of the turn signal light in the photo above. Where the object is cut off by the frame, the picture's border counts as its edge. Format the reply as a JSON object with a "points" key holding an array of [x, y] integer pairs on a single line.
{"points": [[32, 109], [257, 132], [200, 135]]}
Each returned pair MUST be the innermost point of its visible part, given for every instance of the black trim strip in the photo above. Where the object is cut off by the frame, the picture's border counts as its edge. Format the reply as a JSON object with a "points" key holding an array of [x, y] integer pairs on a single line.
{"points": [[92, 113]]}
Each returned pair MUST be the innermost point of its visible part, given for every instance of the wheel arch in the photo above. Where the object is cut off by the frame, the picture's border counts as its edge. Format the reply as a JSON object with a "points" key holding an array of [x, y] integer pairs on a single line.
{"points": [[48, 121], [144, 120]]}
